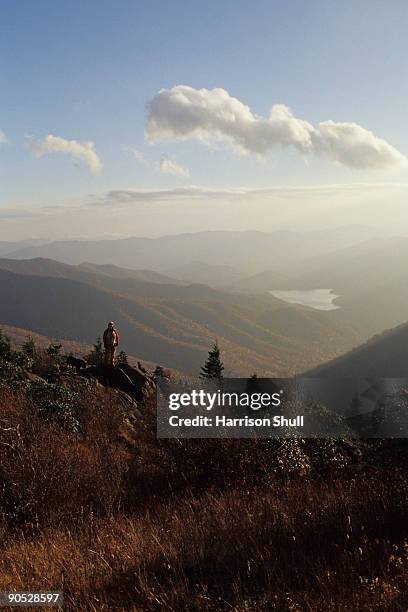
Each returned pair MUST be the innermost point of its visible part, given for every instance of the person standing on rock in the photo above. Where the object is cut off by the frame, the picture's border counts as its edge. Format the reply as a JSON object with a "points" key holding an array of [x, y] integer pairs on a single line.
{"points": [[110, 342]]}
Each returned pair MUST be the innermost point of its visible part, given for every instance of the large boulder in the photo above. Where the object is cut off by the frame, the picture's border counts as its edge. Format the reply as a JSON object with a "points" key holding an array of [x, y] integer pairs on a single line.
{"points": [[141, 379], [128, 379]]}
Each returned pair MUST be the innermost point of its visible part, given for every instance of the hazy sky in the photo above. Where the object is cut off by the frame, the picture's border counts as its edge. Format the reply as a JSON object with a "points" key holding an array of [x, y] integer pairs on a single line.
{"points": [[152, 117]]}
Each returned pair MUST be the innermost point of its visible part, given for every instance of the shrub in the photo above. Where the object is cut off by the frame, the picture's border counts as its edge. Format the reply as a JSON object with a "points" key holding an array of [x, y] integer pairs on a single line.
{"points": [[29, 348], [96, 356], [56, 402], [12, 363]]}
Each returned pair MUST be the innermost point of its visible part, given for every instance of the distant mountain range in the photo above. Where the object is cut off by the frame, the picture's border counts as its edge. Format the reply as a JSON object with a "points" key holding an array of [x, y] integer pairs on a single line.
{"points": [[220, 276], [172, 296], [362, 269], [166, 321], [248, 252], [9, 247]]}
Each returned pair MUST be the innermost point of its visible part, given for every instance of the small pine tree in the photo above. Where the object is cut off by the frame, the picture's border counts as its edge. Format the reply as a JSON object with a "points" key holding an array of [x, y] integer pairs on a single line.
{"points": [[54, 349], [159, 371], [213, 366], [29, 348], [5, 346], [122, 358], [96, 356]]}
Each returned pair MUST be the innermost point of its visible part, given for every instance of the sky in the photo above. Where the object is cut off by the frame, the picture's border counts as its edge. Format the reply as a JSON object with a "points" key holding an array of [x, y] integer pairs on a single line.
{"points": [[152, 117]]}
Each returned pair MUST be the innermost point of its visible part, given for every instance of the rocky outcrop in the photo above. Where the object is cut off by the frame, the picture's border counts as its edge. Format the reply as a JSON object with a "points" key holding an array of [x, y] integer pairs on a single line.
{"points": [[141, 379], [133, 381]]}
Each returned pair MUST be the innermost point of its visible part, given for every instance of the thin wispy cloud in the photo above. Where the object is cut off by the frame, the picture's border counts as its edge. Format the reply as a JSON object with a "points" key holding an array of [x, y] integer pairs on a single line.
{"points": [[169, 166], [197, 208], [84, 151], [166, 165], [125, 196], [213, 115], [128, 198], [193, 193], [135, 153], [3, 138]]}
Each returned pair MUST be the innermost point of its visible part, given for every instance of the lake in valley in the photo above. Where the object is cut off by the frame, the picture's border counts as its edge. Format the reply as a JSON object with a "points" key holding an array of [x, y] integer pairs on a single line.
{"points": [[320, 299]]}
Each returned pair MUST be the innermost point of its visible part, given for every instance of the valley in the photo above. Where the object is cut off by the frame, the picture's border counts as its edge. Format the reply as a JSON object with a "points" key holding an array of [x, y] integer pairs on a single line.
{"points": [[170, 309]]}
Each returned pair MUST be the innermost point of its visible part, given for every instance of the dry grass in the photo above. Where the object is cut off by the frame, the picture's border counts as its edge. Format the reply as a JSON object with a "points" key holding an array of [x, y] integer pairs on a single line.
{"points": [[121, 521]]}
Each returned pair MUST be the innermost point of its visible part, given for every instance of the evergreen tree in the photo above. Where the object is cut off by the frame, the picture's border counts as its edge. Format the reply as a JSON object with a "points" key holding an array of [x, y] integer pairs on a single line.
{"points": [[213, 366], [5, 346], [29, 348], [11, 362], [122, 358], [54, 349], [159, 371], [96, 356]]}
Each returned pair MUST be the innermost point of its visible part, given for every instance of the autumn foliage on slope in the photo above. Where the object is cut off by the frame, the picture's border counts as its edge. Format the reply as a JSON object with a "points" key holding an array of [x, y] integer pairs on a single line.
{"points": [[119, 520]]}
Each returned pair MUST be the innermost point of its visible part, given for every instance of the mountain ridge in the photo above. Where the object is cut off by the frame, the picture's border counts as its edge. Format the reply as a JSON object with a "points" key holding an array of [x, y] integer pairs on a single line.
{"points": [[168, 324], [385, 355]]}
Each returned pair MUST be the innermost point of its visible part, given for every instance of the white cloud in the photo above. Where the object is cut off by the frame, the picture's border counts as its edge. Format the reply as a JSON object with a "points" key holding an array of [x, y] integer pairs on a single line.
{"points": [[3, 138], [165, 165], [354, 146], [169, 166], [211, 115], [182, 113], [135, 153], [84, 151]]}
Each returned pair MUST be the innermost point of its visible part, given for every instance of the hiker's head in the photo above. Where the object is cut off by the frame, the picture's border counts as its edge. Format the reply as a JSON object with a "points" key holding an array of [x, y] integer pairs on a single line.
{"points": [[111, 325]]}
